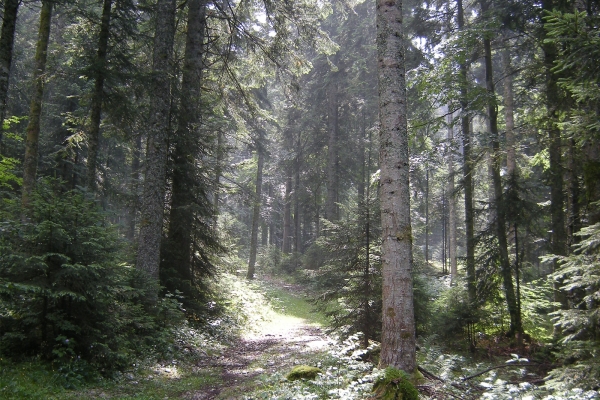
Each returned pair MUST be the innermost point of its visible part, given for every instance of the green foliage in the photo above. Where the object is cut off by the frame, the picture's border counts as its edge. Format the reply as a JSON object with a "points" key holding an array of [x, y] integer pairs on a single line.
{"points": [[580, 325], [7, 172], [303, 372], [395, 385], [65, 295], [349, 284]]}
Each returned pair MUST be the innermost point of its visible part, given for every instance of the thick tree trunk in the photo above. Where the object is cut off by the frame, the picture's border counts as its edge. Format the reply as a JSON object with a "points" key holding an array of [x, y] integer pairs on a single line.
{"points": [[426, 214], [499, 209], [153, 195], [178, 252], [256, 213], [331, 212], [98, 95], [30, 162], [7, 39], [467, 171], [398, 347]]}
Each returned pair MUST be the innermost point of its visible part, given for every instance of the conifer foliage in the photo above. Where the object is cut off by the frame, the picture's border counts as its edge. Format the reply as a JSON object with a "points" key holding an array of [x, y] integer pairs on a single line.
{"points": [[65, 293]]}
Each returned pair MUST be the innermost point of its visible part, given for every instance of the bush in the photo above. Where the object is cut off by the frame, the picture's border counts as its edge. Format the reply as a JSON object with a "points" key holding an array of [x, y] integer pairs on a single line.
{"points": [[65, 295]]}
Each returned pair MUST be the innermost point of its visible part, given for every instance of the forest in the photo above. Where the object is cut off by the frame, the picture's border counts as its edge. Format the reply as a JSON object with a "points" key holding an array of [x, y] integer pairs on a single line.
{"points": [[300, 199]]}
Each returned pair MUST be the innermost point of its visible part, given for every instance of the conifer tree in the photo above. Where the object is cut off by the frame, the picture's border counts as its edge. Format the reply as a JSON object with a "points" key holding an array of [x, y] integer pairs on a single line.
{"points": [[153, 195], [398, 344]]}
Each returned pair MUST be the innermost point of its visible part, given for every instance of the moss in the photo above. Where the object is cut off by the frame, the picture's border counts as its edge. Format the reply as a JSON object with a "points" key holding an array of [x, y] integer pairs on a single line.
{"points": [[395, 385], [303, 372]]}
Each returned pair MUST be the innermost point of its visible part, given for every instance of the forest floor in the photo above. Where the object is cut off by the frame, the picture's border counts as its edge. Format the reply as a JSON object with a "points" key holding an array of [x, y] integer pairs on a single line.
{"points": [[289, 337], [270, 328]]}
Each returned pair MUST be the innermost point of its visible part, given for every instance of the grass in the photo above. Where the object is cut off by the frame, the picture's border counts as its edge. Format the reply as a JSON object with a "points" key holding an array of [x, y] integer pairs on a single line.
{"points": [[296, 305], [37, 380]]}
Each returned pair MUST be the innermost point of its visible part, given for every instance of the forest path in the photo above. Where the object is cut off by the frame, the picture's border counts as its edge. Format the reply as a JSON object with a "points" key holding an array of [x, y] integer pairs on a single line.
{"points": [[275, 345]]}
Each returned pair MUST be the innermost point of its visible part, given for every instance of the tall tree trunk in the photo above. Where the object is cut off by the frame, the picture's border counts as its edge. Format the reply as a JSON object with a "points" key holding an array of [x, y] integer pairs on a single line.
{"points": [[553, 102], [178, 252], [451, 204], [217, 182], [135, 181], [332, 153], [153, 195], [297, 220], [467, 170], [256, 211], [7, 39], [287, 216], [426, 214], [496, 158], [509, 106], [272, 215], [398, 344], [30, 162], [289, 170], [574, 224], [98, 95]]}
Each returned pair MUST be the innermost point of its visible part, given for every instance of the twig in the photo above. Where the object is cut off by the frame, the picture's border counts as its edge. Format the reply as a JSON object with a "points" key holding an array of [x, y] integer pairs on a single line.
{"points": [[525, 364], [429, 374]]}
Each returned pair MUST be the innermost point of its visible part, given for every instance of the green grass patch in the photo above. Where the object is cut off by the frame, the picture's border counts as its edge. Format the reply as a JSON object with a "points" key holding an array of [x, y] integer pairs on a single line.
{"points": [[297, 305], [37, 380]]}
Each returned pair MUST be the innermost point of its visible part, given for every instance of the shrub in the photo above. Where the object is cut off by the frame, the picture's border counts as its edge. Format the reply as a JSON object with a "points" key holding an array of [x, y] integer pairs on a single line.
{"points": [[65, 295]]}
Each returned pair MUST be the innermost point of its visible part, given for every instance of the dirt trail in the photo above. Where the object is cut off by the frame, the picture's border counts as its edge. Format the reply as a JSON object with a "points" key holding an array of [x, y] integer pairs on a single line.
{"points": [[275, 346]]}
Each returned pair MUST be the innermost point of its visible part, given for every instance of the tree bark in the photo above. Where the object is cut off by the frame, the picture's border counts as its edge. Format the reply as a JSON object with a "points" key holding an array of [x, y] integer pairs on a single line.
{"points": [[297, 219], [256, 212], [184, 192], [153, 195], [467, 171], [30, 162], [135, 182], [509, 106], [332, 153], [7, 40], [499, 209], [553, 102], [426, 214], [398, 347], [451, 205], [98, 95]]}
